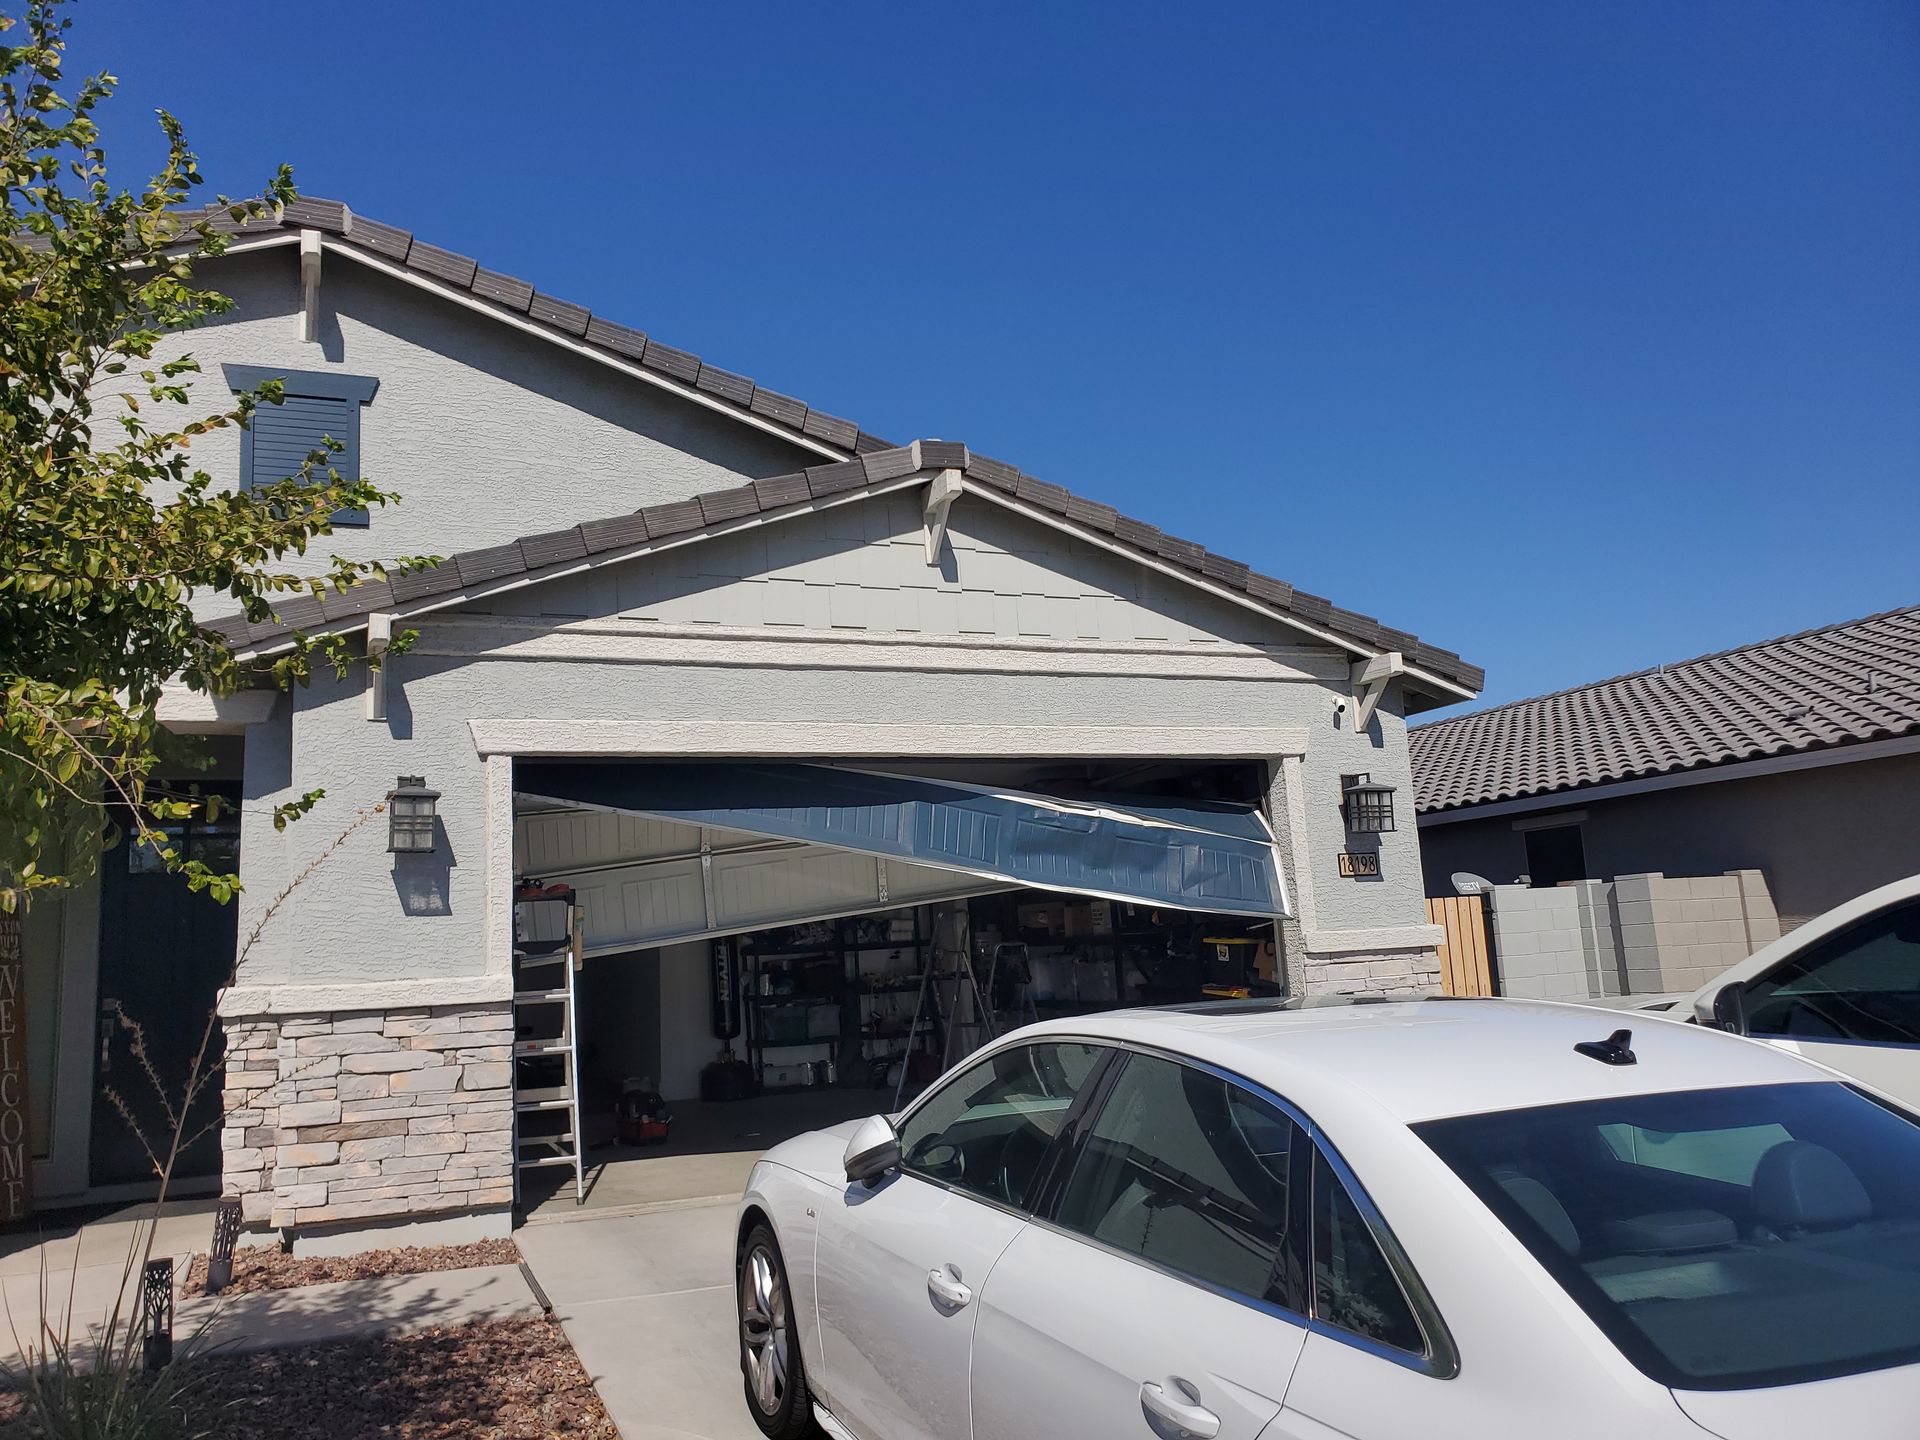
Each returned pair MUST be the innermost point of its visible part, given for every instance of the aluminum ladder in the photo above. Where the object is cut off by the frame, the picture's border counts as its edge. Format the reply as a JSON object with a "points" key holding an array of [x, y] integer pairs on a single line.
{"points": [[543, 984]]}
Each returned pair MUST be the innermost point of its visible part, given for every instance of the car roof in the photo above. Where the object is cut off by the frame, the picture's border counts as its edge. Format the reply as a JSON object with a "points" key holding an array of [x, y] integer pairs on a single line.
{"points": [[1428, 1059]]}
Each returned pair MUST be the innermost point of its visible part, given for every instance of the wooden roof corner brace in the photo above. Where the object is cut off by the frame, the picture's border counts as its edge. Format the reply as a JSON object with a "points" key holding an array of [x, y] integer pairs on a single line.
{"points": [[1370, 679], [309, 284], [942, 491]]}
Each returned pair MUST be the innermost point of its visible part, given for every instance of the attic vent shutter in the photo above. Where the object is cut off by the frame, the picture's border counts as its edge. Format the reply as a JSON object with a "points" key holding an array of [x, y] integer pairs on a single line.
{"points": [[319, 405]]}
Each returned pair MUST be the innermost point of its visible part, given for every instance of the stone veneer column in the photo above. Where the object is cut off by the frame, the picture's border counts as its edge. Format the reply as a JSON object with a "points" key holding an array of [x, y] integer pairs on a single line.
{"points": [[1395, 974], [369, 1115]]}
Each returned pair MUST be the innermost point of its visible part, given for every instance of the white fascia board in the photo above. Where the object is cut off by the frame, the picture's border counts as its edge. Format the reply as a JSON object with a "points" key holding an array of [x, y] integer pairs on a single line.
{"points": [[1680, 779], [241, 1001], [1389, 937], [194, 712], [625, 367], [1200, 582], [239, 247], [757, 739]]}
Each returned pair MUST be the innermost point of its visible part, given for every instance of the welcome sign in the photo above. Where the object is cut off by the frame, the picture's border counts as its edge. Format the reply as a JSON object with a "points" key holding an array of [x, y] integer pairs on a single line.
{"points": [[16, 1199]]}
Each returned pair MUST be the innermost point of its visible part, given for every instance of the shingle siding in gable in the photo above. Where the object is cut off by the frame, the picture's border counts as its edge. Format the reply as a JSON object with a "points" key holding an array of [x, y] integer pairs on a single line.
{"points": [[863, 567]]}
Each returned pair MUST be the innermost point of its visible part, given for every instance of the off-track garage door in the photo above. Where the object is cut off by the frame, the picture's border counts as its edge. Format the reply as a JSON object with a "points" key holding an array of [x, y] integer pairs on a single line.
{"points": [[662, 852]]}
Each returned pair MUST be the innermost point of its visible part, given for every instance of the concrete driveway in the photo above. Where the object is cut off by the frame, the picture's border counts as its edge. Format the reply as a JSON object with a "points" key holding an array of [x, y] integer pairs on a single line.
{"points": [[647, 1301]]}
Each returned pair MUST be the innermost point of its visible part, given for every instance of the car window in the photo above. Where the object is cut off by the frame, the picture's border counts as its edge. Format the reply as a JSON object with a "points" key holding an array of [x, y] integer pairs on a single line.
{"points": [[1190, 1172], [1862, 984], [1711, 1269], [1730, 1155], [1353, 1283], [987, 1129]]}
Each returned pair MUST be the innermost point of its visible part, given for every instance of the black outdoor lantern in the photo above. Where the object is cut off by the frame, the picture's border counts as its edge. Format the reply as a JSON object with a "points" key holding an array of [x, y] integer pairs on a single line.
{"points": [[1369, 805], [410, 816]]}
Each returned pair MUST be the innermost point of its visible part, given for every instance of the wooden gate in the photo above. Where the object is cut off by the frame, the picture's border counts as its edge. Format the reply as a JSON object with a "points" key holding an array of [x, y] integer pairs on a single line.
{"points": [[1466, 966]]}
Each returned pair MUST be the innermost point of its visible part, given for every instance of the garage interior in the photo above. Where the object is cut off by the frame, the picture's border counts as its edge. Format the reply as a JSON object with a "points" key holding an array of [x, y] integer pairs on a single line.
{"points": [[713, 957]]}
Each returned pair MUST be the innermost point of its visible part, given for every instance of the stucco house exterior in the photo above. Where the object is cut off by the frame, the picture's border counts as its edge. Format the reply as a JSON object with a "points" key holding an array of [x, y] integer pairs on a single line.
{"points": [[1797, 758], [649, 559]]}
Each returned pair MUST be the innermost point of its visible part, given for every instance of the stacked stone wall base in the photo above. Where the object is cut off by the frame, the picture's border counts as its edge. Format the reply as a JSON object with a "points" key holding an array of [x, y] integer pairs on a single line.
{"points": [[368, 1115], [1388, 974]]}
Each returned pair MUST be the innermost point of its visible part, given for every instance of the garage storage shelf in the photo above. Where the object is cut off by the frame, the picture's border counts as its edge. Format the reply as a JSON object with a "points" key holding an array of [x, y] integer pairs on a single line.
{"points": [[831, 974], [546, 1067]]}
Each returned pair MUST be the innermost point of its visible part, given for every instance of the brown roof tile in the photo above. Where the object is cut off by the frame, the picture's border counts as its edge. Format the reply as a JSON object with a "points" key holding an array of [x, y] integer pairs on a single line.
{"points": [[1859, 680]]}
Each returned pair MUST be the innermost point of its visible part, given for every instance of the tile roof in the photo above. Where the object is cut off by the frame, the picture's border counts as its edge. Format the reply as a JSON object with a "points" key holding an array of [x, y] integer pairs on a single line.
{"points": [[1859, 680], [565, 320], [871, 461], [535, 555]]}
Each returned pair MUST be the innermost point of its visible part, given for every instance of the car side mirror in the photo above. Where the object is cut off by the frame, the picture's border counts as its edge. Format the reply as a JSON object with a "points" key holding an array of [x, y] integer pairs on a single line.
{"points": [[873, 1149], [1730, 1009]]}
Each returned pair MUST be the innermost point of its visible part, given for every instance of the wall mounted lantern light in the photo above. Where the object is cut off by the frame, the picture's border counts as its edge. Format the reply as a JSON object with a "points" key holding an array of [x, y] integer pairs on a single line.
{"points": [[410, 810], [1369, 805]]}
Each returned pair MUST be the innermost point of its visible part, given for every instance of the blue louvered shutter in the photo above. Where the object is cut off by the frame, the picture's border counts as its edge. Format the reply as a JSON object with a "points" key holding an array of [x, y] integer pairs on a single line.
{"points": [[318, 406]]}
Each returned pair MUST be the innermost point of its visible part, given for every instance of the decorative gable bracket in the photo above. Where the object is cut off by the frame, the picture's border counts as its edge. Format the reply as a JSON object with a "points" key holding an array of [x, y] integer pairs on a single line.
{"points": [[1370, 679], [379, 638], [309, 284], [942, 491]]}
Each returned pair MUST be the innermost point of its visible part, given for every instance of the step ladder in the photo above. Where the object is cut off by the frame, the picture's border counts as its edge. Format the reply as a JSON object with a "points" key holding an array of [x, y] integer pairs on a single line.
{"points": [[546, 1063]]}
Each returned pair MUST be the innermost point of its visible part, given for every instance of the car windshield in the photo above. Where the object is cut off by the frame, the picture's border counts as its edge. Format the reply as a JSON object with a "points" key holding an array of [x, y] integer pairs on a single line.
{"points": [[1724, 1239]]}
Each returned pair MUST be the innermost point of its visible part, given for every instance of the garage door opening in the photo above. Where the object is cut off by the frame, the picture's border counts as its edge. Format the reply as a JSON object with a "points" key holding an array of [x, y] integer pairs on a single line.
{"points": [[752, 985]]}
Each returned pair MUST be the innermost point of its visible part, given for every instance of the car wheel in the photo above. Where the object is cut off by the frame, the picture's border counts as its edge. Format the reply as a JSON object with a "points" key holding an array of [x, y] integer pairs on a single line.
{"points": [[776, 1383]]}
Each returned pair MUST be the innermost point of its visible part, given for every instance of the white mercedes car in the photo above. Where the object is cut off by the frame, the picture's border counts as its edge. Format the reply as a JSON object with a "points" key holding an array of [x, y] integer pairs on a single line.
{"points": [[1432, 1219]]}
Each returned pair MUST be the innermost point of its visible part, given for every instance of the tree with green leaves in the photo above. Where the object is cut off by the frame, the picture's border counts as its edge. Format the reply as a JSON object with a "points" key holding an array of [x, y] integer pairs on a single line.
{"points": [[108, 531]]}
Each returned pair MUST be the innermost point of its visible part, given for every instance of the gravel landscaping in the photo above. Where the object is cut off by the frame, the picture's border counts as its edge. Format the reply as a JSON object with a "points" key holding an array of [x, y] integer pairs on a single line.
{"points": [[263, 1267], [497, 1380]]}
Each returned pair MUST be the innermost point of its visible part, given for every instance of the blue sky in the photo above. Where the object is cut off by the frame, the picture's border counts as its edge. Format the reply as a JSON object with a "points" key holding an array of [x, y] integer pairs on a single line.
{"points": [[1573, 337]]}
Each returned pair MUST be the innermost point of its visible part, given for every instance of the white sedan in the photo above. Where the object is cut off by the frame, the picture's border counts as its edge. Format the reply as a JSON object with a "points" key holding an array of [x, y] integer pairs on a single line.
{"points": [[1431, 1219]]}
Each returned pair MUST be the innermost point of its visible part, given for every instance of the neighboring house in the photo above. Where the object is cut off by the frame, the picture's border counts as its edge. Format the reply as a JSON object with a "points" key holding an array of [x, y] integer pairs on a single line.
{"points": [[1797, 757], [649, 558]]}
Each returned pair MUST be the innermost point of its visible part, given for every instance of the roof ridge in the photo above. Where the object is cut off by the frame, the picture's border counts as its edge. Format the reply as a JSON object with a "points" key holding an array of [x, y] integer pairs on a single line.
{"points": [[1663, 668]]}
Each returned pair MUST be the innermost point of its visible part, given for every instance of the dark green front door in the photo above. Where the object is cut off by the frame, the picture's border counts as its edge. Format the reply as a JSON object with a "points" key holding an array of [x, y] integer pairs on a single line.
{"points": [[164, 954]]}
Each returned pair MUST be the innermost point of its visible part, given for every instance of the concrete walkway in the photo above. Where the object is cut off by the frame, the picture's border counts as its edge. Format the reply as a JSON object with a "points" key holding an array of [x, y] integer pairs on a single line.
{"points": [[707, 1160], [351, 1309], [89, 1267], [647, 1301]]}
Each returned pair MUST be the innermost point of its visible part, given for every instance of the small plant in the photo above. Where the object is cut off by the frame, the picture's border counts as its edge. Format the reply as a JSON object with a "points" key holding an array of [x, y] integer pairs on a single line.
{"points": [[100, 1388], [96, 1386]]}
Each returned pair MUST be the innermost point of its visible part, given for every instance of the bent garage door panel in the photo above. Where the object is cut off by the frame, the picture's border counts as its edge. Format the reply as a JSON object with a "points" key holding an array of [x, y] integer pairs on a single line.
{"points": [[664, 852], [651, 891]]}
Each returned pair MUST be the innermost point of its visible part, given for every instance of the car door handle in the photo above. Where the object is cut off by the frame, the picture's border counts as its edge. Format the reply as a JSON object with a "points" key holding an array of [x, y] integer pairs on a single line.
{"points": [[1186, 1419], [947, 1289]]}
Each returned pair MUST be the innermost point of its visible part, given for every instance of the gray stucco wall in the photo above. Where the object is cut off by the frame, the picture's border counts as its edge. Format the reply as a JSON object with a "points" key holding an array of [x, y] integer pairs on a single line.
{"points": [[864, 567], [1820, 836], [486, 432], [361, 916]]}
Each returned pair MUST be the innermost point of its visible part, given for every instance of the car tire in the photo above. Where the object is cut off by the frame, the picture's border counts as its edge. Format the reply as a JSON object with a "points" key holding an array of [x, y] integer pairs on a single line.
{"points": [[774, 1378]]}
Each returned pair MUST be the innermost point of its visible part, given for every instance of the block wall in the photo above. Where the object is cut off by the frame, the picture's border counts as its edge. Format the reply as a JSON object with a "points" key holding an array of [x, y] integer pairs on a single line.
{"points": [[1634, 935]]}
